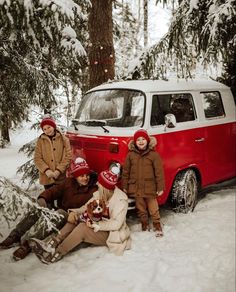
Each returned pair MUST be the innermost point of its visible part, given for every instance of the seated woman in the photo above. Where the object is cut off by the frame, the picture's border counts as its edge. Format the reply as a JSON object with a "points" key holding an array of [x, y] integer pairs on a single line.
{"points": [[112, 232]]}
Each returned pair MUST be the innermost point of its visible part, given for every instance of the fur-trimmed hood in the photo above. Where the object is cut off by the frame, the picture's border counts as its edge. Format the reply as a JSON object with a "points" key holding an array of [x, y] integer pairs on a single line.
{"points": [[151, 145]]}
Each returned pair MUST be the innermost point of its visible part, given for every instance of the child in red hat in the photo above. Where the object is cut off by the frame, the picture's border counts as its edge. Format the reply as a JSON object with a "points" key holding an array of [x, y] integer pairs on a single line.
{"points": [[52, 154], [143, 178]]}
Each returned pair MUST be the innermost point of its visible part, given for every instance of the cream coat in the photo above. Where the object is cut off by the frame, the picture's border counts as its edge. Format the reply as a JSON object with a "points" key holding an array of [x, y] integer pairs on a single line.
{"points": [[119, 233], [52, 154]]}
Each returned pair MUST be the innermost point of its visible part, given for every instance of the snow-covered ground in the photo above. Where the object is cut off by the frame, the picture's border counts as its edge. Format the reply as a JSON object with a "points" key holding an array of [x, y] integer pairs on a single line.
{"points": [[197, 252]]}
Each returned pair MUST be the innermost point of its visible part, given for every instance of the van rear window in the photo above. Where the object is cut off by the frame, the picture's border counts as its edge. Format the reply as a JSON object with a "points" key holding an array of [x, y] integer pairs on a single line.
{"points": [[212, 104], [181, 105]]}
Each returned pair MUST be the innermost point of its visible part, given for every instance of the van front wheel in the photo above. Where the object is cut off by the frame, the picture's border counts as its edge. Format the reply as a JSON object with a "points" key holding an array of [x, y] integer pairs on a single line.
{"points": [[184, 192]]}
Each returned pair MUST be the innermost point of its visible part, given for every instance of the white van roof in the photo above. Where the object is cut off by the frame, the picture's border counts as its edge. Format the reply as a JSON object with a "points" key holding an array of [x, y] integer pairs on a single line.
{"points": [[161, 85]]}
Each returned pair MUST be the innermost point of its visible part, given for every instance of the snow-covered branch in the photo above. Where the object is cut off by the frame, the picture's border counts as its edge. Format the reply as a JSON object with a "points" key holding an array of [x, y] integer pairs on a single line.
{"points": [[15, 203]]}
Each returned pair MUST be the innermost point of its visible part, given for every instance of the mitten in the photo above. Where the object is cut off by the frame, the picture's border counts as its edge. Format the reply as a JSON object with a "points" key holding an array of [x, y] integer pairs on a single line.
{"points": [[160, 193], [49, 173], [95, 227], [56, 173], [42, 202]]}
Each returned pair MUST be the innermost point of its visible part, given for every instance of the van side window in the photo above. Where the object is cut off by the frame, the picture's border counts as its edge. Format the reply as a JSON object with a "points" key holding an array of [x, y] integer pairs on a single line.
{"points": [[212, 104], [181, 105]]}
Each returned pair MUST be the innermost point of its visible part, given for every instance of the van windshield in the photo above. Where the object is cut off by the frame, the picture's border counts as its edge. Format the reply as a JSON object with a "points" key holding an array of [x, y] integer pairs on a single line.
{"points": [[116, 107]]}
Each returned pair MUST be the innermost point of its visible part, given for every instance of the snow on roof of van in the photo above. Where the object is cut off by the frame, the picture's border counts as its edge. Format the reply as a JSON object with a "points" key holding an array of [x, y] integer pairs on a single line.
{"points": [[161, 85]]}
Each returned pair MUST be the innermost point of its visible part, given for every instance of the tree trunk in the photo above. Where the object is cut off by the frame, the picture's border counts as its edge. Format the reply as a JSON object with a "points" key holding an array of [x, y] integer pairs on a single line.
{"points": [[6, 124], [145, 22], [101, 52]]}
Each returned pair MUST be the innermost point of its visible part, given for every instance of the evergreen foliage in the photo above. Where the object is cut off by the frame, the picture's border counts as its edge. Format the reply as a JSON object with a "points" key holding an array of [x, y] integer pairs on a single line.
{"points": [[39, 50], [15, 204], [126, 41], [28, 169], [200, 31]]}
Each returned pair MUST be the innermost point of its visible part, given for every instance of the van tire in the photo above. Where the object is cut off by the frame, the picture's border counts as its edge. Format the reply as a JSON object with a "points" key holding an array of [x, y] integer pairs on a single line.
{"points": [[184, 192]]}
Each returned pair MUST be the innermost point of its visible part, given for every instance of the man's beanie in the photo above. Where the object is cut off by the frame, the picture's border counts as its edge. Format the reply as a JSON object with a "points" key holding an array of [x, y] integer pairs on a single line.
{"points": [[80, 167], [109, 178], [141, 133], [48, 121]]}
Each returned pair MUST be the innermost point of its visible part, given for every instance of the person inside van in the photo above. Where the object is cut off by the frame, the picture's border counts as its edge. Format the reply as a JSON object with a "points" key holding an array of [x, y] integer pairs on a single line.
{"points": [[182, 109], [143, 178]]}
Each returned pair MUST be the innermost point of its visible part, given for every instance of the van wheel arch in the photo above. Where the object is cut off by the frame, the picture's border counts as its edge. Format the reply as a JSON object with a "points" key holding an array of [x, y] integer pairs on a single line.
{"points": [[184, 191]]}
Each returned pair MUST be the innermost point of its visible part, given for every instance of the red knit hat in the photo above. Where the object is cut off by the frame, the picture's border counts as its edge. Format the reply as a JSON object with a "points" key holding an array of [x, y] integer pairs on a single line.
{"points": [[109, 178], [48, 121], [141, 133], [80, 167]]}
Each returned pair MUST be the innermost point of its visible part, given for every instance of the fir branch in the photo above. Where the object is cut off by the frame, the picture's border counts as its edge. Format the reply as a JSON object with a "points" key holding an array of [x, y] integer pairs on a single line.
{"points": [[15, 203]]}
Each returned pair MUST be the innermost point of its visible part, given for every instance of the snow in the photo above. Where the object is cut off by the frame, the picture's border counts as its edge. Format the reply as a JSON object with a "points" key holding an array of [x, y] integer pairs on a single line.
{"points": [[197, 252]]}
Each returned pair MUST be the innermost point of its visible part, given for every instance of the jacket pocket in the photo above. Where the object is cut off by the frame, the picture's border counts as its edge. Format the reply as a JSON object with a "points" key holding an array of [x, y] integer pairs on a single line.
{"points": [[150, 186], [131, 185]]}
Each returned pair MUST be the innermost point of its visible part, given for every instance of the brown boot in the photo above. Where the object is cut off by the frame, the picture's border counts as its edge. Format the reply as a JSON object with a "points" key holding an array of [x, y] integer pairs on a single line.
{"points": [[145, 225], [12, 240], [21, 252], [158, 229]]}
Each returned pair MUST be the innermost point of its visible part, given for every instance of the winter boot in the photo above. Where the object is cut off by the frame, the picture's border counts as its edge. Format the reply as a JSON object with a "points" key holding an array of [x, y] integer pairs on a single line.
{"points": [[44, 249], [51, 258], [158, 229], [21, 252], [145, 225], [12, 240]]}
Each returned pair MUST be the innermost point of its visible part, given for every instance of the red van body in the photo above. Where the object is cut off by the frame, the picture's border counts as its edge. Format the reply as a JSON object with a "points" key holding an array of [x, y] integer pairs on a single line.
{"points": [[193, 121]]}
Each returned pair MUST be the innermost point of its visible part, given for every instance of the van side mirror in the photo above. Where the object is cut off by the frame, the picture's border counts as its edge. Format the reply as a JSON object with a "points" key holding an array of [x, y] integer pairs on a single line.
{"points": [[170, 121]]}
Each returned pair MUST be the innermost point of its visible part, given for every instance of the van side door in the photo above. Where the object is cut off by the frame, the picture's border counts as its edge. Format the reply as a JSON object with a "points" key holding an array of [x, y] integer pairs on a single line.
{"points": [[180, 147]]}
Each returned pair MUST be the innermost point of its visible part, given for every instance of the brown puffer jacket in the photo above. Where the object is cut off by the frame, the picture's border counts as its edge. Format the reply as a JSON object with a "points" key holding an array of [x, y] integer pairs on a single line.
{"points": [[143, 174], [52, 154], [69, 194]]}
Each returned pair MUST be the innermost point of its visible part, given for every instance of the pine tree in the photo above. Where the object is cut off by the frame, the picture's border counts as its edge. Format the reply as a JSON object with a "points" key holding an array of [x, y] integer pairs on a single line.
{"points": [[200, 31], [38, 50], [126, 41]]}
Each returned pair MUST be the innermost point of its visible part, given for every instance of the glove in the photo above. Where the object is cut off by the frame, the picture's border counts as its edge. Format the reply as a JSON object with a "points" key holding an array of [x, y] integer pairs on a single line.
{"points": [[56, 173], [160, 193], [49, 173], [42, 202], [95, 227], [72, 218]]}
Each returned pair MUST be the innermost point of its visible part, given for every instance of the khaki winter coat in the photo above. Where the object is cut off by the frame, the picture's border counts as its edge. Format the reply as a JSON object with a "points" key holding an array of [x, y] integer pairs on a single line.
{"points": [[143, 174], [119, 234], [52, 154]]}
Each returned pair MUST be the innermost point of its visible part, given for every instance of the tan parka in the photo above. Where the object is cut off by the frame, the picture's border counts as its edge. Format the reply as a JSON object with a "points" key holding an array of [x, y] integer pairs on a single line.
{"points": [[143, 174], [52, 154]]}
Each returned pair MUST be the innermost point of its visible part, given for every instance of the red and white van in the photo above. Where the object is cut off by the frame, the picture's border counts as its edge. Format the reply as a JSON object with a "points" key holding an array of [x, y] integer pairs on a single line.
{"points": [[193, 121]]}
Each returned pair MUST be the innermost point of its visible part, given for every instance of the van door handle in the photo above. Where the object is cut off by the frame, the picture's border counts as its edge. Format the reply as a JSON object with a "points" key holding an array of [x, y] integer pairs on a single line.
{"points": [[200, 140]]}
